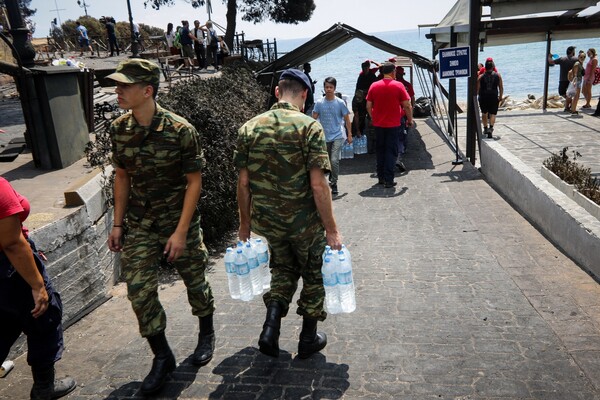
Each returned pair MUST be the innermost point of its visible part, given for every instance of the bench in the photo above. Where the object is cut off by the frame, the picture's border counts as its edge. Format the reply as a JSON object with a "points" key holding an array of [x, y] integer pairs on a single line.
{"points": [[176, 67]]}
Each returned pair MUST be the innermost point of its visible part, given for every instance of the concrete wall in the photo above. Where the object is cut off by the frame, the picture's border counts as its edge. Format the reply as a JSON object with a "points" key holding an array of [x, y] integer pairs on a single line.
{"points": [[561, 219], [81, 266]]}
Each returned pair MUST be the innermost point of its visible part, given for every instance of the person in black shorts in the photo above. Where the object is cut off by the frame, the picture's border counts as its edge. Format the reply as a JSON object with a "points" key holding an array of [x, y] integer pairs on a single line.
{"points": [[566, 63], [490, 89]]}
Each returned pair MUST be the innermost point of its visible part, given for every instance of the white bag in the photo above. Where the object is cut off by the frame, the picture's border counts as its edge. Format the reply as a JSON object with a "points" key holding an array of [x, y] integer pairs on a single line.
{"points": [[571, 91]]}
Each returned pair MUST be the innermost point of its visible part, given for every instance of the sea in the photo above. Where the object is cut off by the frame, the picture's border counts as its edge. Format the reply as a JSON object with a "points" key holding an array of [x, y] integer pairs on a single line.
{"points": [[521, 65]]}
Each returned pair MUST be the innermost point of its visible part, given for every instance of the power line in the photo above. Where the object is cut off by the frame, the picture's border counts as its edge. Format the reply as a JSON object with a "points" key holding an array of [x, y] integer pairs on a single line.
{"points": [[57, 12]]}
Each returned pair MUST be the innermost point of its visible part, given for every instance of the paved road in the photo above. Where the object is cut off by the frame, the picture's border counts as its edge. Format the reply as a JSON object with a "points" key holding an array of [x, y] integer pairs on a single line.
{"points": [[459, 297]]}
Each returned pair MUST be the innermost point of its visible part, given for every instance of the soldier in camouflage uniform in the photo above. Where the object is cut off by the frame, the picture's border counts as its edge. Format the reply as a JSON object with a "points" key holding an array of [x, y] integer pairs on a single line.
{"points": [[158, 163], [284, 196]]}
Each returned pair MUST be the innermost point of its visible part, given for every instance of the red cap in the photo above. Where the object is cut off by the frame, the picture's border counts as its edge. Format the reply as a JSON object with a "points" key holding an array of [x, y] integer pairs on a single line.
{"points": [[489, 59], [392, 60]]}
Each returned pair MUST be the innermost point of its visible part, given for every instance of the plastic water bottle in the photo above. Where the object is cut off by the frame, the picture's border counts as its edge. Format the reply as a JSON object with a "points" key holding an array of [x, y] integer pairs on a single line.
{"points": [[262, 253], [347, 253], [327, 252], [232, 277], [332, 292], [346, 284], [243, 273], [255, 275]]}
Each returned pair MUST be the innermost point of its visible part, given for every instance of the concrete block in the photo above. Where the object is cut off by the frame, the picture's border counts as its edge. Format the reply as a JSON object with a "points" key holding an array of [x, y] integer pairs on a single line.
{"points": [[562, 220]]}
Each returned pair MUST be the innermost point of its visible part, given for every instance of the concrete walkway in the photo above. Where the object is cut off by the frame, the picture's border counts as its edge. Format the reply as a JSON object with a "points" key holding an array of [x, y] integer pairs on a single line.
{"points": [[459, 297]]}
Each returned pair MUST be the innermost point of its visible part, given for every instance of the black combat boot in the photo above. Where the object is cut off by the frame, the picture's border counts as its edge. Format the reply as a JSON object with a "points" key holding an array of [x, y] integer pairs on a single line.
{"points": [[44, 385], [268, 342], [162, 365], [206, 341], [311, 341]]}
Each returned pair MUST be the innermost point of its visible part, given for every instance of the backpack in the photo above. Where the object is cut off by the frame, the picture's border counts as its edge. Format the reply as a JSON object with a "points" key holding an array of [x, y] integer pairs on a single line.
{"points": [[213, 39], [488, 84], [596, 76], [177, 41]]}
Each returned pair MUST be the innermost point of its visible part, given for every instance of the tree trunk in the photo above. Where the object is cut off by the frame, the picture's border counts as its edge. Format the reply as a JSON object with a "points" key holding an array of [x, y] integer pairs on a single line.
{"points": [[231, 21]]}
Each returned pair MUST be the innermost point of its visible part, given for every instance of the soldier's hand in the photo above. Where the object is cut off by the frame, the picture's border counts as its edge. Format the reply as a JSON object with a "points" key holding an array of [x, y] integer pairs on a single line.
{"points": [[115, 239], [175, 246], [334, 239], [244, 233]]}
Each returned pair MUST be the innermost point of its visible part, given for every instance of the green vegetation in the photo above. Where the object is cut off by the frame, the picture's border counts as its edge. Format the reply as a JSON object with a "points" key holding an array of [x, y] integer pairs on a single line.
{"points": [[573, 173]]}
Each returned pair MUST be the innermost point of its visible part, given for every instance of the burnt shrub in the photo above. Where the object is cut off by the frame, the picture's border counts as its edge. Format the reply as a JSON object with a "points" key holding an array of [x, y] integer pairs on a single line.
{"points": [[218, 107]]}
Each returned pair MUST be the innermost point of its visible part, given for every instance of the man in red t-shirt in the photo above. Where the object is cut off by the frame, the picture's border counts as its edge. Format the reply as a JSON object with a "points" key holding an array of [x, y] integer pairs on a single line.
{"points": [[28, 302], [387, 100]]}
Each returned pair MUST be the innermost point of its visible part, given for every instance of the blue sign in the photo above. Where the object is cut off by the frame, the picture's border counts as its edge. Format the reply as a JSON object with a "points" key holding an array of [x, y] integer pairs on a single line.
{"points": [[454, 62]]}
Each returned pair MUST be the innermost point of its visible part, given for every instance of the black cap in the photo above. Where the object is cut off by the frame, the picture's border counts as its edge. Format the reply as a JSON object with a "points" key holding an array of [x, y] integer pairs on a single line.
{"points": [[296, 75]]}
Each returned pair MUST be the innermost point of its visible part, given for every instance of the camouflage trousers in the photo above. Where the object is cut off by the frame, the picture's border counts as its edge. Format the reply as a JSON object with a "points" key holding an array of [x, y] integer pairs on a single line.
{"points": [[142, 254], [293, 258]]}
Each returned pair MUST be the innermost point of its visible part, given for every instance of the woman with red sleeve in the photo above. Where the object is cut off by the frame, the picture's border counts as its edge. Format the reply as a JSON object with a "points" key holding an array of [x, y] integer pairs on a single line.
{"points": [[28, 302]]}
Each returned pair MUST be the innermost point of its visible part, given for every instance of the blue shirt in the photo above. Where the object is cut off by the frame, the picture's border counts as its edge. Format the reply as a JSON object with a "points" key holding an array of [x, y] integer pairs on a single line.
{"points": [[83, 31], [331, 116]]}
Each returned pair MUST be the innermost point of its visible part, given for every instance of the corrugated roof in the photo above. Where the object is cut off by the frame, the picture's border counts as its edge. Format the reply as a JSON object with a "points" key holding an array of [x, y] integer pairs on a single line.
{"points": [[521, 21]]}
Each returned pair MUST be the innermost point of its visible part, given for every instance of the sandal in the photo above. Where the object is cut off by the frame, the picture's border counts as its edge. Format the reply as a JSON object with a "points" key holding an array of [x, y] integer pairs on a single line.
{"points": [[586, 106], [574, 112]]}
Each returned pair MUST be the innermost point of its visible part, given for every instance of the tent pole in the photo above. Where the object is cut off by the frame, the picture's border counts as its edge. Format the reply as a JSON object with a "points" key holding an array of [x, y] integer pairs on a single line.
{"points": [[547, 70], [452, 91]]}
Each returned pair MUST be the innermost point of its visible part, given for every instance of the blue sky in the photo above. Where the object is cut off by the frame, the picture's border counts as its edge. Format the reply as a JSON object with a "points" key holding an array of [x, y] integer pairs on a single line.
{"points": [[366, 15]]}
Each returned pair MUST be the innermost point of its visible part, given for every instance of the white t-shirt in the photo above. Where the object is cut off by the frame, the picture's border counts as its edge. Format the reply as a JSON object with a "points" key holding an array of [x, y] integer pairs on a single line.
{"points": [[199, 34], [170, 38]]}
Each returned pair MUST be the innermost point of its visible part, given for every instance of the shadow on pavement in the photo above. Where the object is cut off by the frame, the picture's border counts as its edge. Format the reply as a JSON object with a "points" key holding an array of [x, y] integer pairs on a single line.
{"points": [[380, 191], [249, 371], [182, 378]]}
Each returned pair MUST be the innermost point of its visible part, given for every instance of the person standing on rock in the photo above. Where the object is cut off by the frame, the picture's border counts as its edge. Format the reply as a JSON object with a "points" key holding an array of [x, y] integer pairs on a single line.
{"points": [[283, 195], [29, 303], [158, 163]]}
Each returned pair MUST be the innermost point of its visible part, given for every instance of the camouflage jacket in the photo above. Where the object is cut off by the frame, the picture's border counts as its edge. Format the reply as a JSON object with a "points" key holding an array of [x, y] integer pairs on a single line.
{"points": [[157, 158], [279, 148]]}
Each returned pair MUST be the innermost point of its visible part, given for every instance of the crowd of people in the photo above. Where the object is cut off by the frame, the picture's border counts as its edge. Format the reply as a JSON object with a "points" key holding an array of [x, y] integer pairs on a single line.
{"points": [[575, 78], [200, 45]]}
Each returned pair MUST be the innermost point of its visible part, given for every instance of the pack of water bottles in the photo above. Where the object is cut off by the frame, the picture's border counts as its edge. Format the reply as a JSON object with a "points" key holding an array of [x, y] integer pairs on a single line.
{"points": [[247, 267], [347, 150], [360, 144], [338, 281]]}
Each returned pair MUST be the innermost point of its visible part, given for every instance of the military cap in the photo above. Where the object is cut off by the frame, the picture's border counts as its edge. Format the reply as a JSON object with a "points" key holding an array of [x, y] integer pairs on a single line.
{"points": [[296, 75], [136, 70]]}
